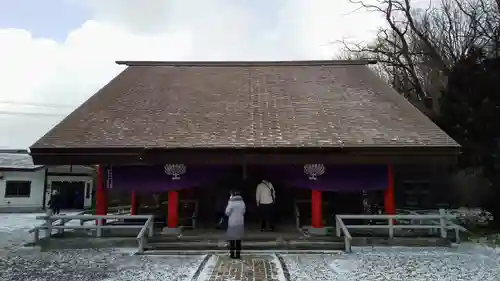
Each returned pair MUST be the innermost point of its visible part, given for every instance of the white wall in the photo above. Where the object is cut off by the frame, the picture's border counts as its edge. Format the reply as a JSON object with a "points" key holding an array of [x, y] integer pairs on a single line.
{"points": [[35, 201], [37, 178]]}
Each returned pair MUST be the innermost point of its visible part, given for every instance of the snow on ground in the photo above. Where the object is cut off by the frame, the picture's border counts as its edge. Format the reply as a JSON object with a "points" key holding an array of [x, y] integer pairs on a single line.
{"points": [[30, 264], [466, 262]]}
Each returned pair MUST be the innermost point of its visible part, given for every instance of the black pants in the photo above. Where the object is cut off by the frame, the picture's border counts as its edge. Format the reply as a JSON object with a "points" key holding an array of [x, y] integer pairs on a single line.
{"points": [[55, 210], [235, 248], [266, 216]]}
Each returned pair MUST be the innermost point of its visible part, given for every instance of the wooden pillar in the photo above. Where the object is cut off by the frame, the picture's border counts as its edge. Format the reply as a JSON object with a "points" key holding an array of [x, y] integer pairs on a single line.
{"points": [[101, 206], [133, 204], [389, 200], [317, 212], [173, 209]]}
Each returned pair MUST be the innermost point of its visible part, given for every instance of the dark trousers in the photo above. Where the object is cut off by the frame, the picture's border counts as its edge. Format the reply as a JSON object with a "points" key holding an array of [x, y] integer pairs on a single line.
{"points": [[55, 210], [235, 248], [266, 216]]}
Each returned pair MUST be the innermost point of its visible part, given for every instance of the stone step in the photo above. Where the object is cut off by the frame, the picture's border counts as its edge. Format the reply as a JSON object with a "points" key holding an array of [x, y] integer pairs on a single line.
{"points": [[244, 252], [207, 246], [260, 238]]}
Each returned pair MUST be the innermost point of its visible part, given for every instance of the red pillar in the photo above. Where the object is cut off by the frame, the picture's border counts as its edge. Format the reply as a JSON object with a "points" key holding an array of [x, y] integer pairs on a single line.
{"points": [[389, 202], [133, 204], [173, 207], [101, 204], [317, 209]]}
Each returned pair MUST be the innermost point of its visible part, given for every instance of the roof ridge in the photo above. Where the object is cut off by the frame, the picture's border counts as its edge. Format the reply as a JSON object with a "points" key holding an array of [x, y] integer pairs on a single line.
{"points": [[247, 63], [14, 151]]}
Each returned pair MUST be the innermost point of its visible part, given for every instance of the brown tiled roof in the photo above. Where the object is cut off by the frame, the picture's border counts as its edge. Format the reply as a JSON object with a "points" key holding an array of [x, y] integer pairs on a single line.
{"points": [[246, 104]]}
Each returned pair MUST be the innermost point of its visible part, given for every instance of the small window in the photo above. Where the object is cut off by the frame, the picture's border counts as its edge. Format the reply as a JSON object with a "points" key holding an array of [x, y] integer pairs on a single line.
{"points": [[17, 189]]}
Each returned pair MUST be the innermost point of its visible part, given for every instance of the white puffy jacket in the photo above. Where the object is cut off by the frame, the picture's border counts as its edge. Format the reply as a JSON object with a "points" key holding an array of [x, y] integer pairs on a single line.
{"points": [[265, 193]]}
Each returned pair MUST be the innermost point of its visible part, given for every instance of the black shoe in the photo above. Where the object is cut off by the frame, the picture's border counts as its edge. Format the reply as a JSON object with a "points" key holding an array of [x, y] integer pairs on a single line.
{"points": [[262, 230]]}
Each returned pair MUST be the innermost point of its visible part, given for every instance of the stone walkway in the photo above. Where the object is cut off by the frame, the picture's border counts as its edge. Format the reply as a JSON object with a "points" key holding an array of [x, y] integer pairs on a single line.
{"points": [[248, 268]]}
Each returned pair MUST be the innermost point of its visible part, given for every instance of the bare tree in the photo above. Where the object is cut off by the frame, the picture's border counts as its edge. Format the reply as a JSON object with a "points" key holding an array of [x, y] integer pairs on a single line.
{"points": [[420, 46]]}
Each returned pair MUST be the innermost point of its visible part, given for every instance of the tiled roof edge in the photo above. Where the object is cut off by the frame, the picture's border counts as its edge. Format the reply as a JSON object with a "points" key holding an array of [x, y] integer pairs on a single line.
{"points": [[246, 63]]}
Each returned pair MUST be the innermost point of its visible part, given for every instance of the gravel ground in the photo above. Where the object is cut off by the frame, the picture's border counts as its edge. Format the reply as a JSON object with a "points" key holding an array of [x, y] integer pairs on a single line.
{"points": [[30, 264], [468, 262]]}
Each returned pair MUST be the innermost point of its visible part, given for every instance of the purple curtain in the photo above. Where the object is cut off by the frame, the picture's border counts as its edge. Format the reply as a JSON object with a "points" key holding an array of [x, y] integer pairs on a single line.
{"points": [[155, 178], [339, 178]]}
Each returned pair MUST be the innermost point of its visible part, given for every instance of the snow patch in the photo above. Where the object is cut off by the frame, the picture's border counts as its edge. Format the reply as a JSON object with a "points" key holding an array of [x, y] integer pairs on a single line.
{"points": [[280, 275], [209, 267]]}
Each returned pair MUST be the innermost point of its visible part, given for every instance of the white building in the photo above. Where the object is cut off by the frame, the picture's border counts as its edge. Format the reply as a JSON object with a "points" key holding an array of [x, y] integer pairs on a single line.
{"points": [[27, 187]]}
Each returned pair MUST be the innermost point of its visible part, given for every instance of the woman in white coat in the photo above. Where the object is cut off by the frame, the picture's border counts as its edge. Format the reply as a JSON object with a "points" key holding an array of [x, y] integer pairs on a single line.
{"points": [[235, 212]]}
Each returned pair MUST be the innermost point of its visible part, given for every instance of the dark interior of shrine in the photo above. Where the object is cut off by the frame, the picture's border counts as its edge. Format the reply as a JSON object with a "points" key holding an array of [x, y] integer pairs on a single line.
{"points": [[203, 202]]}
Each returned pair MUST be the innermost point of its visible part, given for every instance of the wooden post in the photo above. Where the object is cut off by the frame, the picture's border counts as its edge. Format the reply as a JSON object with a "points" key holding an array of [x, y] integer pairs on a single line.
{"points": [[391, 228], [99, 229], [133, 204], [173, 209], [442, 223], [317, 212], [389, 200], [337, 226]]}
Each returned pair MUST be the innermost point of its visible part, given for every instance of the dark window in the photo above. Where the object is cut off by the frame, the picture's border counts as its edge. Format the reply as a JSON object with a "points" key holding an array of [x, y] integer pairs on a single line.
{"points": [[17, 189], [87, 191]]}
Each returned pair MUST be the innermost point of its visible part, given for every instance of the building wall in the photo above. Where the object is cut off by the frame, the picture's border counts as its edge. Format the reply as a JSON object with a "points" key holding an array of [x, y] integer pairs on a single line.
{"points": [[34, 202], [88, 180], [37, 178]]}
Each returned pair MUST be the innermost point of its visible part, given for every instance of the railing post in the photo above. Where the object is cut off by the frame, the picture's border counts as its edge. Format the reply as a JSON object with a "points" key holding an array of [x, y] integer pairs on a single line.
{"points": [[141, 245], [442, 222], [151, 227], [347, 245], [99, 229], [391, 227], [37, 235], [337, 225], [60, 231], [48, 223]]}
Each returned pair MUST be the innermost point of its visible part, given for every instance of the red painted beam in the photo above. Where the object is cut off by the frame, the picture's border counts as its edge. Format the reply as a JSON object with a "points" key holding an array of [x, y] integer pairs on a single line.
{"points": [[133, 204], [101, 204], [389, 200], [173, 209], [317, 211]]}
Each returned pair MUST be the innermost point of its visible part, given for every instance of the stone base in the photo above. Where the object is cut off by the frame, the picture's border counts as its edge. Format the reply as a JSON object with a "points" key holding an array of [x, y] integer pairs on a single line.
{"points": [[249, 267], [171, 231], [317, 230]]}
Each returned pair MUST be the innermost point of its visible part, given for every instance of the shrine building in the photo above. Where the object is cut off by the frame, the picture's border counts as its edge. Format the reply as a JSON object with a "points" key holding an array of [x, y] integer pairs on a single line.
{"points": [[189, 130]]}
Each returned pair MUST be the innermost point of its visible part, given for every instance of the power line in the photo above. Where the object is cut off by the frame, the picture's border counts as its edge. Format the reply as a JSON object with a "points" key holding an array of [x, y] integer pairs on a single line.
{"points": [[19, 113], [38, 104]]}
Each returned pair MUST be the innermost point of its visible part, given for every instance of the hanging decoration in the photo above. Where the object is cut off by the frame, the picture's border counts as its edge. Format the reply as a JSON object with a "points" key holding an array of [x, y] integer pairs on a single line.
{"points": [[314, 170], [110, 178], [175, 170]]}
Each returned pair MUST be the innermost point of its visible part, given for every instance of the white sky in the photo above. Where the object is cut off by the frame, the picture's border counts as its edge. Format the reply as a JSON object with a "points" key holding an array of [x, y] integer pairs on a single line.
{"points": [[44, 71]]}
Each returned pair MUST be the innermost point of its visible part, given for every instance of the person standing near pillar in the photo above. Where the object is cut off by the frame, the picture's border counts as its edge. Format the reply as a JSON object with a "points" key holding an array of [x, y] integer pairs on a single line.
{"points": [[266, 196], [235, 212]]}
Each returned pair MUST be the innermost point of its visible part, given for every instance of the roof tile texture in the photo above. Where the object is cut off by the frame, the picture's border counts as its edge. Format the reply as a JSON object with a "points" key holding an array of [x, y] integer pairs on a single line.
{"points": [[246, 106]]}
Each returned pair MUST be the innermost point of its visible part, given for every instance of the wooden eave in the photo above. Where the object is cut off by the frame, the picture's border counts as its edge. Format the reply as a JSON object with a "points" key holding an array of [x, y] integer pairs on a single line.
{"points": [[225, 156]]}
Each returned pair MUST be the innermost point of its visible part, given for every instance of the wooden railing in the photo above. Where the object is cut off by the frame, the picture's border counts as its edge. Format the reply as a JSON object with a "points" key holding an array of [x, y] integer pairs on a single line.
{"points": [[444, 225], [341, 227], [58, 222]]}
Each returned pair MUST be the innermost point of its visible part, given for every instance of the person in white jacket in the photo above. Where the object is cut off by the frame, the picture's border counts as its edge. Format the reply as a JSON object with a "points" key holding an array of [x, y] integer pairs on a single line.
{"points": [[265, 197]]}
